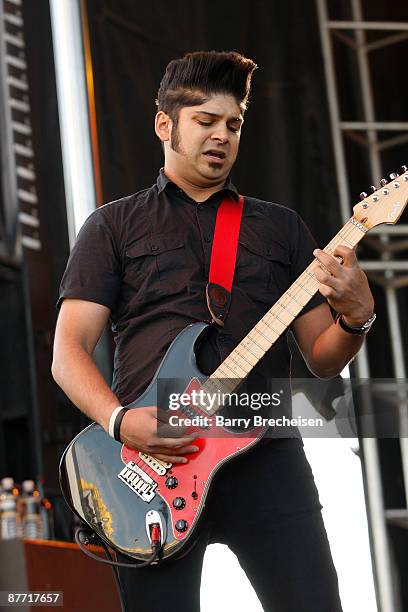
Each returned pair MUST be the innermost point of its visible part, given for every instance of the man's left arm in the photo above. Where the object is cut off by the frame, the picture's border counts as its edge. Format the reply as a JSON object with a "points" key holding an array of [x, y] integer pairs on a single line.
{"points": [[326, 347]]}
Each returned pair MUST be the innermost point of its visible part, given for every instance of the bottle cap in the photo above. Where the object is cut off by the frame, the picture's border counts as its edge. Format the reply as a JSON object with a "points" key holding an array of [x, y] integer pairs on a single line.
{"points": [[7, 483], [28, 486]]}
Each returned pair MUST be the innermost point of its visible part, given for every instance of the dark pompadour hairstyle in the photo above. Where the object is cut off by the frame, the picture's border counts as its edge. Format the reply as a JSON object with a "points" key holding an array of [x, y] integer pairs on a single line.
{"points": [[190, 80]]}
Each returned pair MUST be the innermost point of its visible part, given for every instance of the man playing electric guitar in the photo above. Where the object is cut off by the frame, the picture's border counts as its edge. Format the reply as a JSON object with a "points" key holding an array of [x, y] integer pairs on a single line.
{"points": [[142, 262]]}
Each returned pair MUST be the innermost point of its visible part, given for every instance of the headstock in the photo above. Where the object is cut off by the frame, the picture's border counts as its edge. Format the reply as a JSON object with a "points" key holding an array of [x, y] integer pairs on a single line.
{"points": [[386, 204]]}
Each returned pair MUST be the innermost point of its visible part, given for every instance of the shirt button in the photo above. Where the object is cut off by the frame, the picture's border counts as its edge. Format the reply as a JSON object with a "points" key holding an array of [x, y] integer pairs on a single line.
{"points": [[154, 247], [200, 207], [207, 239]]}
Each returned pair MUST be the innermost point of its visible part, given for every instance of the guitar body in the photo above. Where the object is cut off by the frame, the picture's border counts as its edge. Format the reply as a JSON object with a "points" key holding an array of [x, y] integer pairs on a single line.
{"points": [[118, 492]]}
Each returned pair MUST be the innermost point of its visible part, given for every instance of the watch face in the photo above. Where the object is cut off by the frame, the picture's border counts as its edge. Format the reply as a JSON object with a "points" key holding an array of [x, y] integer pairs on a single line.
{"points": [[366, 326]]}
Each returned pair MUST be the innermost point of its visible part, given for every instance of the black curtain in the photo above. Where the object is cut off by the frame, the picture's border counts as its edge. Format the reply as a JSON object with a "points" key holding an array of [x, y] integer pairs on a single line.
{"points": [[286, 153]]}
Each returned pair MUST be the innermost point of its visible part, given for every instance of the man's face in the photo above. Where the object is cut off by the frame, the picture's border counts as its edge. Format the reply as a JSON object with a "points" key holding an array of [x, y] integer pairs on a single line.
{"points": [[204, 142]]}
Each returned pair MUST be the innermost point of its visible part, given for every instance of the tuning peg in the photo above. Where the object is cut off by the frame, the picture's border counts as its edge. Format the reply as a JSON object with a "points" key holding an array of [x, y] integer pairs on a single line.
{"points": [[394, 175], [404, 168], [363, 195], [373, 188], [383, 182]]}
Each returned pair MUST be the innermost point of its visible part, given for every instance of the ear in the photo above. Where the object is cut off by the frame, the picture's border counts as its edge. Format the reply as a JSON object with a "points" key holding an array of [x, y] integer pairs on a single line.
{"points": [[162, 126]]}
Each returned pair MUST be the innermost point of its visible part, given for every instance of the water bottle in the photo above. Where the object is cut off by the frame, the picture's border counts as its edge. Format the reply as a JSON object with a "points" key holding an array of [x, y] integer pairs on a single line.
{"points": [[9, 519], [30, 512]]}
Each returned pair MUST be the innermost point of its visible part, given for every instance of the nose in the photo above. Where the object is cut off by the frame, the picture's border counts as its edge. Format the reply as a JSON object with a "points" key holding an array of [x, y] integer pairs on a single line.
{"points": [[220, 133]]}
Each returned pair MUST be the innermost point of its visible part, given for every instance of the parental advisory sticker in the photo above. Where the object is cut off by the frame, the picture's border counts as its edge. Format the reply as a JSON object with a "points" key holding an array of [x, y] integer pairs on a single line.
{"points": [[14, 599]]}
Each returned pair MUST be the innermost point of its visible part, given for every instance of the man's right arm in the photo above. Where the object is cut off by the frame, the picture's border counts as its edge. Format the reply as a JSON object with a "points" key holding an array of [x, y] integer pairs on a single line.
{"points": [[80, 325]]}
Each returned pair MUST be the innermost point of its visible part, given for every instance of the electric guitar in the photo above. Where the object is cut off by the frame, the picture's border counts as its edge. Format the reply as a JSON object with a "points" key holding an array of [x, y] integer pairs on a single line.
{"points": [[122, 493]]}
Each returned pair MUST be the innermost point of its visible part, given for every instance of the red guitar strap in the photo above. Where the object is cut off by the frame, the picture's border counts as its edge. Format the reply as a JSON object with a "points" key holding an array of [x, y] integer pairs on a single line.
{"points": [[223, 258]]}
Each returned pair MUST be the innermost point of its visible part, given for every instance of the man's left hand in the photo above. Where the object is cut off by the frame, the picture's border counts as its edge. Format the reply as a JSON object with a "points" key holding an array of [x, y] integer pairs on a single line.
{"points": [[344, 285]]}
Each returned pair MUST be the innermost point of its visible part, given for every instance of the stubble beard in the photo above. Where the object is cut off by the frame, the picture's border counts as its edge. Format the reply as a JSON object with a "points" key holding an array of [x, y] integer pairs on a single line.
{"points": [[175, 144]]}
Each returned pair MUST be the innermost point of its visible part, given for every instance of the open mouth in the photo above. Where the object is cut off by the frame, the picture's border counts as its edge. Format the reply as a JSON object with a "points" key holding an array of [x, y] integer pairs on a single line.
{"points": [[214, 155]]}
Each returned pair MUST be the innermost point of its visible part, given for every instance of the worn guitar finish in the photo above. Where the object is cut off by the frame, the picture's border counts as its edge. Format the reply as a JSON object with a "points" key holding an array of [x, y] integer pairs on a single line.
{"points": [[119, 492], [91, 464]]}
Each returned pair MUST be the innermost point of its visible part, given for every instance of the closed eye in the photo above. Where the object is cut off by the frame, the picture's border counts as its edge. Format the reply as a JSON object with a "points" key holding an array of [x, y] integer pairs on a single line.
{"points": [[231, 128]]}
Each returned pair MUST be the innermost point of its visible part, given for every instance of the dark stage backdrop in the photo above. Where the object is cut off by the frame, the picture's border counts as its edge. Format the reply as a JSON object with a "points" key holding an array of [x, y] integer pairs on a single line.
{"points": [[285, 150]]}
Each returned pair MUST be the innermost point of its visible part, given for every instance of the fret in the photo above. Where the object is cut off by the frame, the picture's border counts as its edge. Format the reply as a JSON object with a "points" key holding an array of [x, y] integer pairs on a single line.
{"points": [[344, 239], [232, 367], [276, 332], [310, 274], [213, 385], [251, 343], [259, 341], [235, 353], [285, 306], [292, 297], [304, 288], [258, 331], [276, 320], [284, 323], [237, 369], [225, 374]]}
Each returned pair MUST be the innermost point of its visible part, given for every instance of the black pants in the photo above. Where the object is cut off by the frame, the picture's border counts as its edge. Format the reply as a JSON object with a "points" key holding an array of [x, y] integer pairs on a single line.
{"points": [[266, 508]]}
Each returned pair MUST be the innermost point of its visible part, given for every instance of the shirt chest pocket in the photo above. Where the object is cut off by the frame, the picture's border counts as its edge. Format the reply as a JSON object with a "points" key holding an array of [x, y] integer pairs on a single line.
{"points": [[264, 269], [156, 264]]}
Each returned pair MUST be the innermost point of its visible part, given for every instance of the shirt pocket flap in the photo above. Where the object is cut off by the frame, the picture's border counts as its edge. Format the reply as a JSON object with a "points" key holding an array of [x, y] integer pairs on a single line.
{"points": [[272, 252], [154, 246]]}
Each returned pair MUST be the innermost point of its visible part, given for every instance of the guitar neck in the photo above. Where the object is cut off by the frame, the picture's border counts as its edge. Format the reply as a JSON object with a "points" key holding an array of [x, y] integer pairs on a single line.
{"points": [[260, 339]]}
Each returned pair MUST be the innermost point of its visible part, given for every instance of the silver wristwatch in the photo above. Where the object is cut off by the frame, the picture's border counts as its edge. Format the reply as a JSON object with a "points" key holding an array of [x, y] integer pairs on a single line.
{"points": [[358, 331]]}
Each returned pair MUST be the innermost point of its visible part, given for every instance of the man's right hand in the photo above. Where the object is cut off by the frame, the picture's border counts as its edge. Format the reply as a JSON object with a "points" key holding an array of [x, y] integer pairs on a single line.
{"points": [[138, 430]]}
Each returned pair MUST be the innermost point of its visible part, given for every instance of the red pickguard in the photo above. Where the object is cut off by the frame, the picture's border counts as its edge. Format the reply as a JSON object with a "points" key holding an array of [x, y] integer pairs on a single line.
{"points": [[195, 476]]}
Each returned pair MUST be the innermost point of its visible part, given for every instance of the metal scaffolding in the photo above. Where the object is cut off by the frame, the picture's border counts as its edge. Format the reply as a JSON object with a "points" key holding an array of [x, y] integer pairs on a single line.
{"points": [[21, 223], [389, 273]]}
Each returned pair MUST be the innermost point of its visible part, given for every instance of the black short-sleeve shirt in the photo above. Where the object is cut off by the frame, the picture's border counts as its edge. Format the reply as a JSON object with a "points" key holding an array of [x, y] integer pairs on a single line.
{"points": [[146, 257]]}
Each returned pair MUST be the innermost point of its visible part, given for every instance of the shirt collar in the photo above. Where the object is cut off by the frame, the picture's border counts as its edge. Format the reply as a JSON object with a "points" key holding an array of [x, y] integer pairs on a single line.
{"points": [[163, 180]]}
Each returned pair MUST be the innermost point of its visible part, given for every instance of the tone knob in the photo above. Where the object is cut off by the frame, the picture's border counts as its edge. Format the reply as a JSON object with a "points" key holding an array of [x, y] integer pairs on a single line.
{"points": [[179, 503], [171, 482], [181, 525]]}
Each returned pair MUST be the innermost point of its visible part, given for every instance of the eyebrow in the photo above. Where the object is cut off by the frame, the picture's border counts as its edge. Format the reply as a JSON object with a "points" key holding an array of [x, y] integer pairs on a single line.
{"points": [[240, 118]]}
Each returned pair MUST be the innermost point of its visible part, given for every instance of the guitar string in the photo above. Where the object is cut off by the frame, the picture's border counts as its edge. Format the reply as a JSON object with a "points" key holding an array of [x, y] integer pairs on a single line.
{"points": [[297, 288], [302, 284]]}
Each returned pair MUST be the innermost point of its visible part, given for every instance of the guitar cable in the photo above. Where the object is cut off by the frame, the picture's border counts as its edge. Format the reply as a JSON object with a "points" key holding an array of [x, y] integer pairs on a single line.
{"points": [[85, 536]]}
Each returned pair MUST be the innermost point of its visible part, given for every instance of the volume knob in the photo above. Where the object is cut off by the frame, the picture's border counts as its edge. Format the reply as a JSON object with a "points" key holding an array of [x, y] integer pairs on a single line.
{"points": [[171, 482], [181, 525], [179, 503]]}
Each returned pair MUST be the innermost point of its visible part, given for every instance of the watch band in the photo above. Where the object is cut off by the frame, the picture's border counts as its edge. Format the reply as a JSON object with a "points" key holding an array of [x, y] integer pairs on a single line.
{"points": [[357, 331]]}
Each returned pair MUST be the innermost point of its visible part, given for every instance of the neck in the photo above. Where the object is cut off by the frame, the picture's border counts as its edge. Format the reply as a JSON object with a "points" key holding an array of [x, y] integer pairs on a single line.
{"points": [[199, 193]]}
